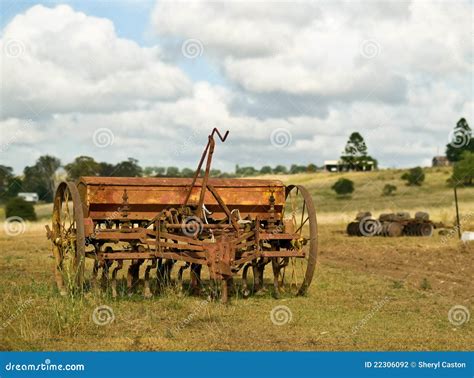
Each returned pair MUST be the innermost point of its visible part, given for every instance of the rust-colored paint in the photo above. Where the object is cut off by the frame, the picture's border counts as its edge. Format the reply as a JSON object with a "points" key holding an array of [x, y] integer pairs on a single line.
{"points": [[102, 196], [239, 225]]}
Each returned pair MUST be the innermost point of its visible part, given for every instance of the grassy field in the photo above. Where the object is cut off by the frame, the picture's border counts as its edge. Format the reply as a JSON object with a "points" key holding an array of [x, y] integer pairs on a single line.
{"points": [[367, 294], [434, 195]]}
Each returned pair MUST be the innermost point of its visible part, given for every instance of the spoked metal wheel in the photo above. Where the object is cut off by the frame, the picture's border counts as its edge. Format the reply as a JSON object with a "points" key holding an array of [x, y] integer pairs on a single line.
{"points": [[295, 274], [68, 239]]}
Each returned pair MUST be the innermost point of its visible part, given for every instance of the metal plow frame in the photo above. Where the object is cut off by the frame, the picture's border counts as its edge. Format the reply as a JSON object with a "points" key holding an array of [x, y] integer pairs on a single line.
{"points": [[227, 246]]}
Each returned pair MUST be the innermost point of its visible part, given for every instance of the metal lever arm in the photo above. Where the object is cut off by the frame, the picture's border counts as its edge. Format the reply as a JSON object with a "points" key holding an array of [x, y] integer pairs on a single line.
{"points": [[208, 151], [216, 131]]}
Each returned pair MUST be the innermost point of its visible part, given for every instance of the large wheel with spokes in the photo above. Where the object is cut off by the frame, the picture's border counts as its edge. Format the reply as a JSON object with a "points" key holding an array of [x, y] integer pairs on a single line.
{"points": [[296, 273], [68, 239]]}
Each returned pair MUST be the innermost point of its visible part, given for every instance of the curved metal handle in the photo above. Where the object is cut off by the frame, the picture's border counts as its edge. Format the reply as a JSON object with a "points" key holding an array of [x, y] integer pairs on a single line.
{"points": [[208, 151], [222, 138]]}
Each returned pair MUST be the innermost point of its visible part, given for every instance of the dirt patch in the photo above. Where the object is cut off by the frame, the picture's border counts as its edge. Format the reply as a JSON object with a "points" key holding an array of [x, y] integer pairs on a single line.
{"points": [[432, 264]]}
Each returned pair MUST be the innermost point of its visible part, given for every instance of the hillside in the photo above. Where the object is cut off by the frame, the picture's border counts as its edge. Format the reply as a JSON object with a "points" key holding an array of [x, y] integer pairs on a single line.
{"points": [[434, 196]]}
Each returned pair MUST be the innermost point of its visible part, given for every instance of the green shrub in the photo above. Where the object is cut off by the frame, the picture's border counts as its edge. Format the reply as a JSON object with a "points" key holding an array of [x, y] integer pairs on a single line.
{"points": [[425, 284], [397, 284], [18, 207], [343, 186], [414, 176], [463, 172], [389, 190]]}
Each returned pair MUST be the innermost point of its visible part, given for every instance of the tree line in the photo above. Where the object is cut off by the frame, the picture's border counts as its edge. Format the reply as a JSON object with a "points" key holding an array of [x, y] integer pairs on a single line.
{"points": [[459, 152], [42, 177]]}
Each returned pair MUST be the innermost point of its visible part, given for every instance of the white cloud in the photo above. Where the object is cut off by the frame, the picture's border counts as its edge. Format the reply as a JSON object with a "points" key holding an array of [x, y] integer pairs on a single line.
{"points": [[298, 67], [69, 62], [397, 70], [237, 28], [340, 50]]}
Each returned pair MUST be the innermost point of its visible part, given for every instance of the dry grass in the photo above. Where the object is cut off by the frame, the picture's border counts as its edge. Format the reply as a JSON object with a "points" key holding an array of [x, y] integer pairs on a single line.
{"points": [[373, 281], [368, 293], [434, 195]]}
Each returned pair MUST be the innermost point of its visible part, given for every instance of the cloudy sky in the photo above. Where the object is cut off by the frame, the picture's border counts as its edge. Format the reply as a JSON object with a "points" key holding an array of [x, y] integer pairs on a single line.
{"points": [[290, 80]]}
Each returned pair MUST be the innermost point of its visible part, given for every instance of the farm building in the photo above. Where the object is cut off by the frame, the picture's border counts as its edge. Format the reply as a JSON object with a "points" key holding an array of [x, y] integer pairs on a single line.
{"points": [[334, 166], [440, 161], [29, 197], [340, 166]]}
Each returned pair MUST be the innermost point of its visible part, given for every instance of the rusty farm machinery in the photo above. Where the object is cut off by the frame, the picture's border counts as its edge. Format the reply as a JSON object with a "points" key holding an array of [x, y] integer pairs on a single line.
{"points": [[392, 225], [170, 226]]}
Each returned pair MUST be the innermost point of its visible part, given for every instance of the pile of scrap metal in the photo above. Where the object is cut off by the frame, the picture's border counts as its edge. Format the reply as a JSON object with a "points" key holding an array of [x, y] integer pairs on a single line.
{"points": [[392, 224]]}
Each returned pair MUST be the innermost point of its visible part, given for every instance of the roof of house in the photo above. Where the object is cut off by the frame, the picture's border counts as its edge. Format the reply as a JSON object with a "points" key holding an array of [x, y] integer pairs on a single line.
{"points": [[331, 162]]}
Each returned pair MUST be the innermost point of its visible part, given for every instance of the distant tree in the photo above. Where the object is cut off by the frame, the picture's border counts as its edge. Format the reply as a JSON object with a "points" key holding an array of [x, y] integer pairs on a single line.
{"points": [[34, 182], [213, 173], [187, 172], [128, 168], [354, 150], [297, 169], [149, 171], [154, 171], [266, 170], [106, 169], [461, 140], [463, 171], [343, 186], [311, 168], [82, 166], [6, 174], [9, 184], [15, 186], [172, 172], [48, 165], [227, 175], [280, 169], [18, 207], [355, 153], [40, 178], [246, 171], [389, 190], [415, 176]]}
